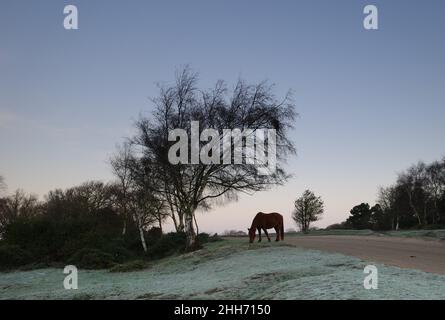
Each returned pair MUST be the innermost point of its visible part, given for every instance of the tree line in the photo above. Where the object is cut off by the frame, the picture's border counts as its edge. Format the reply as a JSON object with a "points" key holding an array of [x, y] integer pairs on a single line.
{"points": [[415, 200]]}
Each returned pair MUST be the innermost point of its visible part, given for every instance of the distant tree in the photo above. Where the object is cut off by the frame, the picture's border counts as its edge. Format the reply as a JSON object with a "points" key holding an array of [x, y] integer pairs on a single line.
{"points": [[19, 204], [365, 217], [339, 226], [308, 208], [134, 196], [95, 195], [234, 233], [379, 219], [387, 199], [435, 186], [416, 199], [121, 164], [88, 198], [413, 181], [143, 207], [360, 217]]}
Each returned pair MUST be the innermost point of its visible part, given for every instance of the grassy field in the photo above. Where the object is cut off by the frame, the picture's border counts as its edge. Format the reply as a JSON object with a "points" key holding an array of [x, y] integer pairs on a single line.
{"points": [[232, 269]]}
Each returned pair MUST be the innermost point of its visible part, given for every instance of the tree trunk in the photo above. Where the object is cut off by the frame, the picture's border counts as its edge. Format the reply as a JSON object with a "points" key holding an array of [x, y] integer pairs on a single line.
{"points": [[160, 223], [124, 228], [196, 224], [436, 211], [413, 207], [141, 235], [172, 215], [141, 232], [178, 222], [191, 243], [181, 225]]}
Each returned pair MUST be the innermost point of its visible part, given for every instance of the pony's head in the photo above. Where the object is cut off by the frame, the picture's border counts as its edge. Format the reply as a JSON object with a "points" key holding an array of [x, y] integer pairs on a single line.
{"points": [[251, 234]]}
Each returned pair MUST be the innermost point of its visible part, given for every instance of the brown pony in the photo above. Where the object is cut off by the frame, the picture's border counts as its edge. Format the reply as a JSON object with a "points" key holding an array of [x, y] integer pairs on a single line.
{"points": [[267, 221]]}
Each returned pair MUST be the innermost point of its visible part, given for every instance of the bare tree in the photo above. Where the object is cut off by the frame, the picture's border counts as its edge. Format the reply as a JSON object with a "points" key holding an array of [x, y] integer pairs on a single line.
{"points": [[93, 195], [121, 164], [18, 205], [187, 187], [435, 186], [308, 208], [134, 196], [417, 198], [386, 198], [142, 207], [413, 181]]}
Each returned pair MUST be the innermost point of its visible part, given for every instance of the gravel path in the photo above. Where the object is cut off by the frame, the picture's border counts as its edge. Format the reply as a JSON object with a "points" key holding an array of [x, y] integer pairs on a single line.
{"points": [[425, 255]]}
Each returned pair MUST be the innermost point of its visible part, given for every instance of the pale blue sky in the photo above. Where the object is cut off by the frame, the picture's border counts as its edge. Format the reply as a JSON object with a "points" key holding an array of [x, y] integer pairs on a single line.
{"points": [[371, 102]]}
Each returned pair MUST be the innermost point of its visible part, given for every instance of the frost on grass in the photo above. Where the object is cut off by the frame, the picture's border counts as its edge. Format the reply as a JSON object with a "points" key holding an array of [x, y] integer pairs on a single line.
{"points": [[232, 270], [438, 234]]}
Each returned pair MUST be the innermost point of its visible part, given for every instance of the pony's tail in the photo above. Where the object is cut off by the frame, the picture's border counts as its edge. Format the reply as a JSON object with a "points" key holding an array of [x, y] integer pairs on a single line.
{"points": [[282, 230]]}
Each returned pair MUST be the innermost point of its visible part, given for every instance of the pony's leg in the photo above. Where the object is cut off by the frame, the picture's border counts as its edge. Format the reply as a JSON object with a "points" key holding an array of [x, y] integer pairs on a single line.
{"points": [[267, 235], [259, 234], [277, 231]]}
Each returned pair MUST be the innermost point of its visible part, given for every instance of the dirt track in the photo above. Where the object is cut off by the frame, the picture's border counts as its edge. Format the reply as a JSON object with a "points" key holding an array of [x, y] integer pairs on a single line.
{"points": [[410, 253]]}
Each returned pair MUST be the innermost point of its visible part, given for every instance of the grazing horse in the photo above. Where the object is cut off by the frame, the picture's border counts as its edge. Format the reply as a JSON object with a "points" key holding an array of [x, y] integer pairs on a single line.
{"points": [[267, 221]]}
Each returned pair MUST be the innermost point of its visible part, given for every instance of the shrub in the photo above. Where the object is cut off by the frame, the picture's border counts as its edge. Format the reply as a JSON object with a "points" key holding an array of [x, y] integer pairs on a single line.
{"points": [[434, 226], [215, 238], [118, 251], [153, 235], [235, 233], [339, 226], [203, 238], [206, 238], [12, 256], [135, 265], [168, 244], [36, 235], [92, 259], [57, 238]]}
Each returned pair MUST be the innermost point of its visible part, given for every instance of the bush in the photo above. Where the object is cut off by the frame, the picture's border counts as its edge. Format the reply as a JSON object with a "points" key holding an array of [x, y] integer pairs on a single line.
{"points": [[120, 254], [130, 266], [339, 226], [36, 235], [434, 227], [153, 235], [168, 244], [12, 256], [57, 238], [118, 251], [203, 238], [215, 238], [92, 259], [206, 238]]}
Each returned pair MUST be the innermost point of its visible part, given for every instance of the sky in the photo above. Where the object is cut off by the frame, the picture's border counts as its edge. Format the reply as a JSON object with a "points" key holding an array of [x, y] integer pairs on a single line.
{"points": [[370, 102]]}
